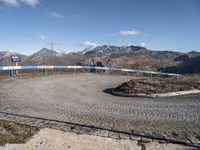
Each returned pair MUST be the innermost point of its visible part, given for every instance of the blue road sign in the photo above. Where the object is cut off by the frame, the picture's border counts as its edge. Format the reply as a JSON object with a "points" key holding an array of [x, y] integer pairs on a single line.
{"points": [[15, 58]]}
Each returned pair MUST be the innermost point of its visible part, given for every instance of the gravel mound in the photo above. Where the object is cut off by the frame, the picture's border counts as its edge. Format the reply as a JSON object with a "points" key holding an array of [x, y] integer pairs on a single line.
{"points": [[159, 85]]}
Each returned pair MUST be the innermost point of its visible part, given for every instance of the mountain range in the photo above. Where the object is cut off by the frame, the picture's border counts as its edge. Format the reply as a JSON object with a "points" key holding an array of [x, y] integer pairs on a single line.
{"points": [[134, 57]]}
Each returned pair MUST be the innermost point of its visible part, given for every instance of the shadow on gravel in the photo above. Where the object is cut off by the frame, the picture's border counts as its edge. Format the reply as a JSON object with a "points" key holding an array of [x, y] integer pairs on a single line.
{"points": [[109, 91]]}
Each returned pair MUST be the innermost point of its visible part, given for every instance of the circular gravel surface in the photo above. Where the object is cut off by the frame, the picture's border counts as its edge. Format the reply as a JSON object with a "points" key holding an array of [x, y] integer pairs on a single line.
{"points": [[81, 99]]}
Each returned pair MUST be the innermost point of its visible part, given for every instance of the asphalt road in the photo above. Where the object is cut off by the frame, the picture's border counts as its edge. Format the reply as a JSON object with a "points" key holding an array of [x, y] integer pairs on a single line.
{"points": [[81, 99]]}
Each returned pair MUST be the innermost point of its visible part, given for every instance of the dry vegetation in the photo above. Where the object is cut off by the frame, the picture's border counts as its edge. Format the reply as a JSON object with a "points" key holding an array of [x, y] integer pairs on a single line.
{"points": [[159, 85], [49, 72], [3, 77], [11, 132]]}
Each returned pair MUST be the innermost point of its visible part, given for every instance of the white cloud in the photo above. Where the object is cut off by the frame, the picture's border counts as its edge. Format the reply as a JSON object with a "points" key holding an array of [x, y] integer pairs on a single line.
{"points": [[37, 38], [89, 44], [129, 32], [17, 3], [32, 3], [56, 15], [142, 44], [81, 17], [42, 37], [132, 32], [10, 2]]}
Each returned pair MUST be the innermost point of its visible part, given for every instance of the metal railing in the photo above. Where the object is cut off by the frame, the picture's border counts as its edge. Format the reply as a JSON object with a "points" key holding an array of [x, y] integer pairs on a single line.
{"points": [[11, 68]]}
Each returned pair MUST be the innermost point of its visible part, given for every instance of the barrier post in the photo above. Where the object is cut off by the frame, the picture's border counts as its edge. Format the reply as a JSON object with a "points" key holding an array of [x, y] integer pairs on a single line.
{"points": [[11, 73], [16, 71], [45, 71]]}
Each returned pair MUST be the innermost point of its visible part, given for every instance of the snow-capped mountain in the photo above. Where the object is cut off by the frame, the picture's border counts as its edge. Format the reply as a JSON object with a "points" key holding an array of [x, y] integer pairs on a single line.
{"points": [[112, 49]]}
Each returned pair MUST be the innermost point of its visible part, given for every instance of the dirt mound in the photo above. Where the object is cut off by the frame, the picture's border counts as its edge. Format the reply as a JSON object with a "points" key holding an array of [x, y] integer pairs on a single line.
{"points": [[159, 85]]}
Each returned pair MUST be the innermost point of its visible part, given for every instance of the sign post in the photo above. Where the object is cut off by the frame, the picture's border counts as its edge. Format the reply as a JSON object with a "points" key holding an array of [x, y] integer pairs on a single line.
{"points": [[15, 59]]}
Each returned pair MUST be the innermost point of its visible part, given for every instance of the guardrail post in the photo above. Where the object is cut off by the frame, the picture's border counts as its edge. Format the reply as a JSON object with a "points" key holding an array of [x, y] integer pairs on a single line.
{"points": [[45, 71], [16, 72], [101, 71], [11, 73]]}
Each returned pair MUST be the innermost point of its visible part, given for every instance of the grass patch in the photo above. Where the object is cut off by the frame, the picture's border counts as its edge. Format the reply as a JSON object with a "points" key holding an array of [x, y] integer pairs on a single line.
{"points": [[11, 132]]}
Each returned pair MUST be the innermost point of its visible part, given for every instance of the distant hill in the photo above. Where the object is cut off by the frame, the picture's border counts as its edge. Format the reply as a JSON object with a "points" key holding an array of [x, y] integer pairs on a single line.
{"points": [[189, 63], [134, 57], [47, 57], [42, 57]]}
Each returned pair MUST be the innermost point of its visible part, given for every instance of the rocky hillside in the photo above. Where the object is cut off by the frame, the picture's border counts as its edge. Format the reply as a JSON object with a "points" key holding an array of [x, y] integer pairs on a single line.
{"points": [[134, 57], [188, 63], [42, 57], [50, 57]]}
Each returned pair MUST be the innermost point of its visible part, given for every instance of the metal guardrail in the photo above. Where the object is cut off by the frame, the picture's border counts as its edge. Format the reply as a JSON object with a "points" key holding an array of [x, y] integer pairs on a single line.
{"points": [[2, 68]]}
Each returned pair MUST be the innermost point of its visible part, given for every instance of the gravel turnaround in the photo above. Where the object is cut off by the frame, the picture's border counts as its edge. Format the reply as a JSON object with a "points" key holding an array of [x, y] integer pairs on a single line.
{"points": [[81, 99]]}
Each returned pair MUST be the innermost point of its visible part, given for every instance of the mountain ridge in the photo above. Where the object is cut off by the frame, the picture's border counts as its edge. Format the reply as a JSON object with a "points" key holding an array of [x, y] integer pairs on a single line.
{"points": [[134, 57]]}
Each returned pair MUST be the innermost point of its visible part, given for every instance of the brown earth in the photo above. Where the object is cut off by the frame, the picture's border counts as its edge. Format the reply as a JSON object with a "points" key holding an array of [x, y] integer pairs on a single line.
{"points": [[11, 132], [159, 85], [52, 139]]}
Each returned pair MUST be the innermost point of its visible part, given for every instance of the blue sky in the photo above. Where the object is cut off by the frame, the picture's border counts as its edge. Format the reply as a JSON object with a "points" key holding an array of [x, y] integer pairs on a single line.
{"points": [[29, 25]]}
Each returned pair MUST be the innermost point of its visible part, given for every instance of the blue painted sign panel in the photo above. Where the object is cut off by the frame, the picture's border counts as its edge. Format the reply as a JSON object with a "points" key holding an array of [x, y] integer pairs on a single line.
{"points": [[15, 59]]}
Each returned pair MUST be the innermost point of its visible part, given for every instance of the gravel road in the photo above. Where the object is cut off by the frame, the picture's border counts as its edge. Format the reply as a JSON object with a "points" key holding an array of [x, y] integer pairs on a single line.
{"points": [[81, 99]]}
